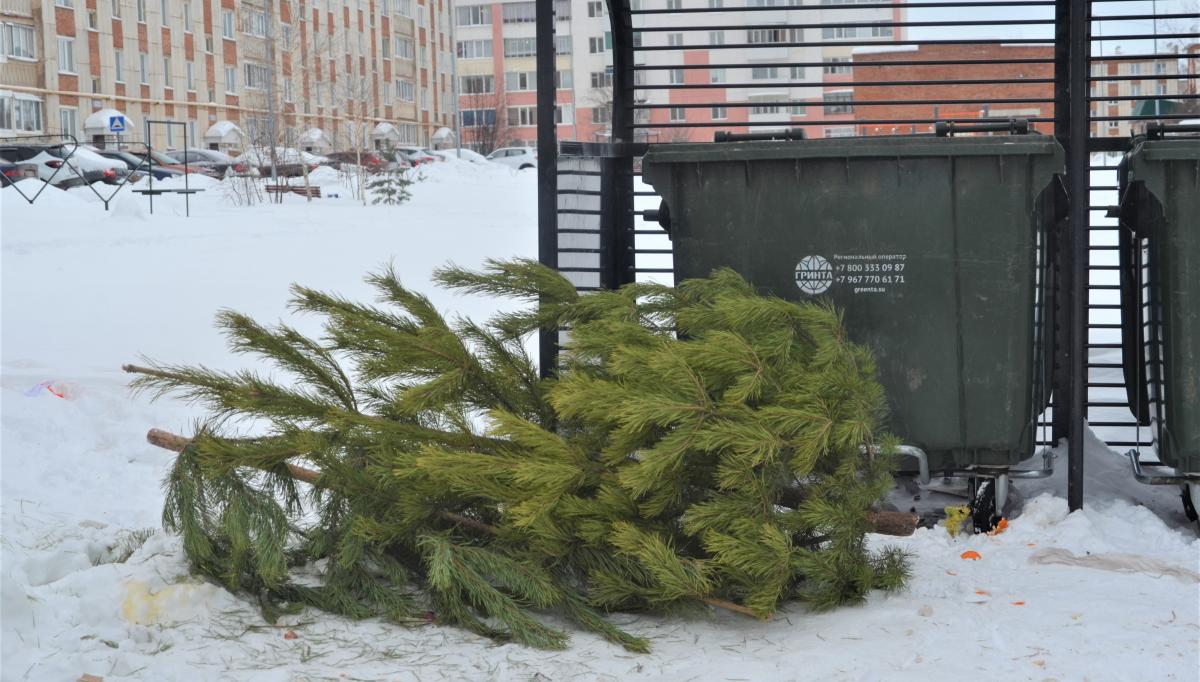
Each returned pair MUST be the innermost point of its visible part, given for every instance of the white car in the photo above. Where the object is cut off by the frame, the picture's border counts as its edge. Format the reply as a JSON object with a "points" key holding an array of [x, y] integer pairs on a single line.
{"points": [[516, 157], [456, 154]]}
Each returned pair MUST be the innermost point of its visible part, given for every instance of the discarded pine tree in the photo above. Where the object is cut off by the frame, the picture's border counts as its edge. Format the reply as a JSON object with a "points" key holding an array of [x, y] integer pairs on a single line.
{"points": [[702, 444]]}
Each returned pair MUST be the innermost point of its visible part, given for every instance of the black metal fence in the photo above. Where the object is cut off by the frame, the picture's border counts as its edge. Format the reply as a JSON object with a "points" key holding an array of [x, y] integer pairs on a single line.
{"points": [[1090, 73]]}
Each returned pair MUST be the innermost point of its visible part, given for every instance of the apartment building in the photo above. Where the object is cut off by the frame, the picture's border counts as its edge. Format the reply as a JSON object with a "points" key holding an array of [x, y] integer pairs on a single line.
{"points": [[318, 74], [497, 76], [1120, 83]]}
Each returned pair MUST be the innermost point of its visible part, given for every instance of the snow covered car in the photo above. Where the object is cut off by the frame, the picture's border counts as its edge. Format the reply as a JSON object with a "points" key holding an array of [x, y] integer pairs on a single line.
{"points": [[218, 163], [460, 155], [415, 155], [516, 157], [47, 159], [289, 162]]}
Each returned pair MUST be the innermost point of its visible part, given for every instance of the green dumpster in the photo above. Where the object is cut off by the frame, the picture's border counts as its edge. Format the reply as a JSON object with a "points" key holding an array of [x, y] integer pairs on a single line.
{"points": [[1160, 296], [936, 249]]}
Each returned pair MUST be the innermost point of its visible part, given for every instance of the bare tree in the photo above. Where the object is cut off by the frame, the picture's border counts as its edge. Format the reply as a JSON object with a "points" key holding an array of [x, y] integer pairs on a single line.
{"points": [[487, 127]]}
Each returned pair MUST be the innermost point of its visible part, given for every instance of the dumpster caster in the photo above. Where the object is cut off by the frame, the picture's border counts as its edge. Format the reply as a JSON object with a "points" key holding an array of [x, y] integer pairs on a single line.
{"points": [[984, 512], [1189, 502]]}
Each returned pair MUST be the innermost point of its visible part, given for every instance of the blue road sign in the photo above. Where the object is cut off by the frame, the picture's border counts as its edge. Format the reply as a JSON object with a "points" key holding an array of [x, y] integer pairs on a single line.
{"points": [[116, 124]]}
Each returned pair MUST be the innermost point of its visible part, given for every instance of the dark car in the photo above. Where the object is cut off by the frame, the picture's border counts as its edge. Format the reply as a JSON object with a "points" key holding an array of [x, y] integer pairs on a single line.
{"points": [[47, 160], [132, 161], [373, 162], [14, 172]]}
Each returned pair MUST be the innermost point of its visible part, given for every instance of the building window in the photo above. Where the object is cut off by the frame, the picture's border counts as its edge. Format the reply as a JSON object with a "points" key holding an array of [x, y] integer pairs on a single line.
{"points": [[601, 79], [564, 114], [759, 36], [404, 8], [478, 49], [841, 131], [187, 17], [141, 11], [716, 75], [21, 113], [404, 91], [95, 86], [837, 65], [144, 68], [64, 3], [166, 72], [170, 136], [68, 120], [165, 8], [119, 66], [796, 73], [474, 15], [601, 114], [66, 55], [595, 45], [477, 118], [562, 80], [1160, 67], [19, 41], [519, 12], [595, 8], [676, 76], [799, 109], [404, 48], [674, 4], [190, 72], [226, 24], [715, 4], [1135, 69], [678, 114], [287, 91], [716, 37], [116, 9], [518, 81], [720, 113], [760, 73], [256, 23], [520, 47], [675, 39], [562, 45], [849, 32], [477, 85], [230, 79], [765, 105], [92, 21], [191, 132], [839, 103]]}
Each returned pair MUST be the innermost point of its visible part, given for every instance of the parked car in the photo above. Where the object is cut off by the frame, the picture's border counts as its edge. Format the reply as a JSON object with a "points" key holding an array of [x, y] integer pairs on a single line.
{"points": [[370, 160], [48, 161], [516, 157], [289, 162], [218, 162], [15, 172], [94, 166], [461, 155], [415, 155], [133, 161]]}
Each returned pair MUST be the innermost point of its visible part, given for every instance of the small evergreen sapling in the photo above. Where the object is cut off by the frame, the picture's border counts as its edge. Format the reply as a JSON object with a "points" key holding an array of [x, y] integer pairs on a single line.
{"points": [[390, 187], [701, 444]]}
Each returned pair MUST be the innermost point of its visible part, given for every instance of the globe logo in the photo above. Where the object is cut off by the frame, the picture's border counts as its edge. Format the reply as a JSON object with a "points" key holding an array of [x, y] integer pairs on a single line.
{"points": [[813, 275]]}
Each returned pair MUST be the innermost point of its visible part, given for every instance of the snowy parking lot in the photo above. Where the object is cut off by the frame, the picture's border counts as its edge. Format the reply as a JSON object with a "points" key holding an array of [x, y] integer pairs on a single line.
{"points": [[91, 585]]}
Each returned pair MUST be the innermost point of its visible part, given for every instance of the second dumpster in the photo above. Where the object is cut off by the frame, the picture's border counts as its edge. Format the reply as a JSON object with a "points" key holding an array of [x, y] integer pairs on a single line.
{"points": [[1160, 298], [936, 250]]}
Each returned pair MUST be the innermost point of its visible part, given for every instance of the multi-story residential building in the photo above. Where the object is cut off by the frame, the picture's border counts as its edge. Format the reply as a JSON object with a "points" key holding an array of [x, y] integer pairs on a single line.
{"points": [[497, 75], [308, 73], [1132, 79]]}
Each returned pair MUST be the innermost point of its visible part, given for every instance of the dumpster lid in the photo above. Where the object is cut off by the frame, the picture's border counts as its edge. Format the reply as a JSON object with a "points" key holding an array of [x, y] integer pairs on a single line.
{"points": [[854, 147], [1168, 149]]}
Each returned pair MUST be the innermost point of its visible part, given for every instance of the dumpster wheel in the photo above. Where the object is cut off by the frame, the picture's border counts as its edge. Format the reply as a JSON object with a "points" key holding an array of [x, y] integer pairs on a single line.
{"points": [[984, 514], [1189, 505]]}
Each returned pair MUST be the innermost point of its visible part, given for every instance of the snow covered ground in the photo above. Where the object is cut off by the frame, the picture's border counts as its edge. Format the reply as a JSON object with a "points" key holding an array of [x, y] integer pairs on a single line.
{"points": [[85, 590]]}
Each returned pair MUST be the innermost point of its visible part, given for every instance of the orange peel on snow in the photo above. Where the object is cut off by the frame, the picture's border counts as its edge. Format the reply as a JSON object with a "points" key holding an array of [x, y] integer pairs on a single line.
{"points": [[970, 554]]}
